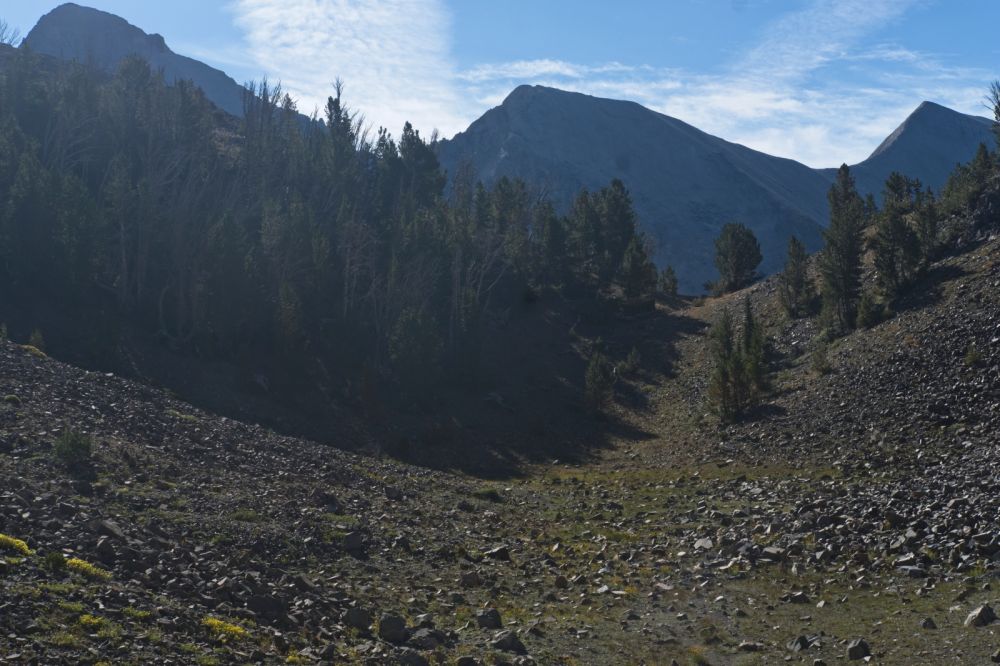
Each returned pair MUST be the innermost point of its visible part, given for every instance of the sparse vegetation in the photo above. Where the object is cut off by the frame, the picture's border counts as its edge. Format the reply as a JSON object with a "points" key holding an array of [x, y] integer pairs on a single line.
{"points": [[795, 289], [840, 260], [489, 495], [54, 562], [819, 361], [737, 256], [599, 381], [86, 569], [225, 631], [632, 362], [868, 311], [15, 545], [973, 357], [668, 281], [74, 449], [37, 341], [739, 372]]}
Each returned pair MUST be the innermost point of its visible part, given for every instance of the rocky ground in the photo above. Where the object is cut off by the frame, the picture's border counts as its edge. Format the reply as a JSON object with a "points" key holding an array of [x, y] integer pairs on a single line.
{"points": [[856, 517]]}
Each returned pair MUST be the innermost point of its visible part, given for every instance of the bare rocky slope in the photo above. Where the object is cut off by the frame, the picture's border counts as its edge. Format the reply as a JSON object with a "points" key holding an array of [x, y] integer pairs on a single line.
{"points": [[855, 516]]}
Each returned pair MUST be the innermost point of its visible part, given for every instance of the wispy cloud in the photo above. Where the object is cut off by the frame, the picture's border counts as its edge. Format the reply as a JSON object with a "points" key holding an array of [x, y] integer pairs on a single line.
{"points": [[814, 87], [811, 88], [393, 56]]}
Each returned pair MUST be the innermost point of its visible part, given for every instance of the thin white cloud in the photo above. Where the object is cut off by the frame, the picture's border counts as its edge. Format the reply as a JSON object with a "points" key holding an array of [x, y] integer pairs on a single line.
{"points": [[531, 69], [811, 88], [393, 56], [814, 87]]}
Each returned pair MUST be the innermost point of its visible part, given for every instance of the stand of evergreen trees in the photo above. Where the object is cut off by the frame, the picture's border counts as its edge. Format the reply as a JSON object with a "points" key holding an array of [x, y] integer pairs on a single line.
{"points": [[316, 248]]}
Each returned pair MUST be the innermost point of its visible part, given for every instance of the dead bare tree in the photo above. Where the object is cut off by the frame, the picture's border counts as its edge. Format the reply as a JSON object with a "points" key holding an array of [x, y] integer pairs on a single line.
{"points": [[9, 35]]}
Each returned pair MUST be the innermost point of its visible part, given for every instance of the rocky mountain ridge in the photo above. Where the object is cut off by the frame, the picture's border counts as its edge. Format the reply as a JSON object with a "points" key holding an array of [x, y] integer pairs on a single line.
{"points": [[687, 184], [103, 40]]}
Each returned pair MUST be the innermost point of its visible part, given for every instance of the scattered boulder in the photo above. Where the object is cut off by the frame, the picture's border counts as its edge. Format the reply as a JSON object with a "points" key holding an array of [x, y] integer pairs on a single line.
{"points": [[858, 649], [489, 619], [507, 641], [981, 617], [392, 628], [358, 618]]}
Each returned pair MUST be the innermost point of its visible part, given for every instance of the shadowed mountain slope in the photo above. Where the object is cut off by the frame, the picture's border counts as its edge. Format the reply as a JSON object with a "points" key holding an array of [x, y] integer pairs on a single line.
{"points": [[686, 184], [90, 36], [927, 145]]}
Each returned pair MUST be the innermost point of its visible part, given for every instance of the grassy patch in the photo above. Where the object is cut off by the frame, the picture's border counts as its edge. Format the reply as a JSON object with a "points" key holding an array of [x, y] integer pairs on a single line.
{"points": [[87, 569], [246, 516], [10, 543], [190, 418], [488, 495], [136, 614], [223, 630], [34, 351]]}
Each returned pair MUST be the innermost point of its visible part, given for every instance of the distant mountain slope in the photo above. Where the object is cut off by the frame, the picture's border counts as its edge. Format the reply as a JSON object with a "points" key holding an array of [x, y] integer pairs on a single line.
{"points": [[90, 36], [927, 145], [686, 184]]}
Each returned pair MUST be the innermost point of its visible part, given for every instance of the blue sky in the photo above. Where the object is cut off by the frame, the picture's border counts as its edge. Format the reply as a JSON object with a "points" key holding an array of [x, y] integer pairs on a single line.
{"points": [[820, 81]]}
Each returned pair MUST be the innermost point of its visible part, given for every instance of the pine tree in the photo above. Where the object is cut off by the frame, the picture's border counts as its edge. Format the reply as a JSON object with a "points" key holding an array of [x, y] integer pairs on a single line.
{"points": [[928, 221], [795, 289], [599, 381], [755, 371], [737, 255], [993, 99], [586, 242], [638, 274], [725, 372], [739, 373], [840, 261], [868, 311], [897, 250], [668, 281], [618, 228]]}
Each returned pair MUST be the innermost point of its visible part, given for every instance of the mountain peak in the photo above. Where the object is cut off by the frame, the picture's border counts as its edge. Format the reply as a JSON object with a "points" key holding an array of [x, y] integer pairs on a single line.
{"points": [[934, 117], [527, 92], [103, 40]]}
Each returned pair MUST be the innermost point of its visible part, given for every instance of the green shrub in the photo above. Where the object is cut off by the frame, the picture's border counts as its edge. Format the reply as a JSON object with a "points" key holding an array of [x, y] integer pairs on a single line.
{"points": [[819, 362], [631, 363], [74, 449], [488, 494], [599, 381], [668, 281], [54, 562], [973, 357], [739, 375], [36, 340], [4, 337], [868, 312]]}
